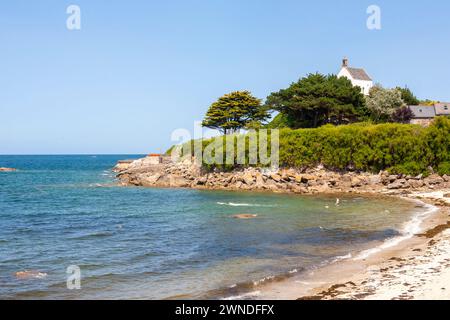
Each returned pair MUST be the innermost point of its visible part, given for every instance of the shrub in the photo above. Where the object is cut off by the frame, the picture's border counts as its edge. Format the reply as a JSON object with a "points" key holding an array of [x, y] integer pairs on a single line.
{"points": [[409, 168], [399, 148], [402, 115], [444, 168]]}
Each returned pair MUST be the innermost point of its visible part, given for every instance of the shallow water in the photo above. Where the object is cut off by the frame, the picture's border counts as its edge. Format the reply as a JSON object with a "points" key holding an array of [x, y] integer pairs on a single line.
{"points": [[139, 243]]}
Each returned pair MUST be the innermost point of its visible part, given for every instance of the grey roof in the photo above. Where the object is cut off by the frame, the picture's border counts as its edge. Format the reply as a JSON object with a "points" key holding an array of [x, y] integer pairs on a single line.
{"points": [[442, 108], [422, 112], [358, 74]]}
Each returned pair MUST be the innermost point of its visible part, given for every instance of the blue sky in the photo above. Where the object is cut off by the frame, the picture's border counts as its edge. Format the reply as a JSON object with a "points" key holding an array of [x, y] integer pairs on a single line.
{"points": [[137, 70]]}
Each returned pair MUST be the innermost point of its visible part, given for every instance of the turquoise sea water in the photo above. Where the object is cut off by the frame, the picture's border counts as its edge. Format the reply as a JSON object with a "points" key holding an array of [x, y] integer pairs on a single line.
{"points": [[139, 243]]}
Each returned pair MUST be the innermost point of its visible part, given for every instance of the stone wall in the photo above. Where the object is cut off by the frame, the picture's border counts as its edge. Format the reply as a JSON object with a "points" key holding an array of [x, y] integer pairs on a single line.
{"points": [[422, 122]]}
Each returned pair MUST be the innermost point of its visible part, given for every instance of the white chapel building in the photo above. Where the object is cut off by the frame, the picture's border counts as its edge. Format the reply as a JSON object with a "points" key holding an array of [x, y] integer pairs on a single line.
{"points": [[357, 76]]}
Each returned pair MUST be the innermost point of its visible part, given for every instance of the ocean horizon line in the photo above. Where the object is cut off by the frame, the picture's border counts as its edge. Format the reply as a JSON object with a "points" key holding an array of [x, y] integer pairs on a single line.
{"points": [[73, 154]]}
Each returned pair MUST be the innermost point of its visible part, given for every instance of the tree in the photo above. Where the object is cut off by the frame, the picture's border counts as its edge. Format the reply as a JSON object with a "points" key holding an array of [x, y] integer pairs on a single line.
{"points": [[382, 103], [408, 97], [234, 111], [402, 115], [318, 99], [279, 121], [428, 102]]}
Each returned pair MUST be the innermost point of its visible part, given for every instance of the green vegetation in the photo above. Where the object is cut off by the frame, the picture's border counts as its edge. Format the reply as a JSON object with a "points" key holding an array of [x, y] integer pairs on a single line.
{"points": [[408, 97], [338, 130], [444, 168], [399, 148], [382, 103], [280, 121], [169, 151], [428, 102], [407, 149], [318, 99], [402, 115], [235, 111]]}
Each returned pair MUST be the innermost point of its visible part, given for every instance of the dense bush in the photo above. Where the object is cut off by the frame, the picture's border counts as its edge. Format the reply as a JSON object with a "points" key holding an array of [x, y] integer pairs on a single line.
{"points": [[444, 168], [400, 148]]}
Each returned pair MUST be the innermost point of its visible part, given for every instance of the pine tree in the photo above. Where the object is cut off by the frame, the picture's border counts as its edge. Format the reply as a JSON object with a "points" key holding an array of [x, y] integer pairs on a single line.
{"points": [[318, 99], [234, 111]]}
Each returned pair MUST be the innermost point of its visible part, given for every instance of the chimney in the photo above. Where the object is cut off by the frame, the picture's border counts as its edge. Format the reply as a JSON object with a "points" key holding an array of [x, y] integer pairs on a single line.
{"points": [[345, 62]]}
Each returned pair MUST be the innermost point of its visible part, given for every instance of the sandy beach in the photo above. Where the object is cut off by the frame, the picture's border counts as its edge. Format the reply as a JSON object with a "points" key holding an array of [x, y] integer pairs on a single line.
{"points": [[411, 267]]}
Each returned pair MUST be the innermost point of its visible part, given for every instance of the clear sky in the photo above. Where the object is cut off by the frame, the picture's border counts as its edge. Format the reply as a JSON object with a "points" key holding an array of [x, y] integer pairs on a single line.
{"points": [[137, 70]]}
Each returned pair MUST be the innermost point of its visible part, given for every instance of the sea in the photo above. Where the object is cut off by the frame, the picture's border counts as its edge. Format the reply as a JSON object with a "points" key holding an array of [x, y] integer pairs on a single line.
{"points": [[68, 230]]}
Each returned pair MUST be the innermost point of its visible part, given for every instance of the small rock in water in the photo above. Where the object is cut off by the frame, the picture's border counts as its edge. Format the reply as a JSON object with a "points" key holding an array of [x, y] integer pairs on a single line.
{"points": [[245, 216]]}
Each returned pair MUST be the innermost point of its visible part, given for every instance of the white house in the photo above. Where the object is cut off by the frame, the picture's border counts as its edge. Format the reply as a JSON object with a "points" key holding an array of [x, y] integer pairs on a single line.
{"points": [[357, 76]]}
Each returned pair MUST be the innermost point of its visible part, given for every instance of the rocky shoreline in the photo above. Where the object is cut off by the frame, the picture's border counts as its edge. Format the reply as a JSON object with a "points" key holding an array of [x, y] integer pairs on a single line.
{"points": [[413, 269], [188, 174]]}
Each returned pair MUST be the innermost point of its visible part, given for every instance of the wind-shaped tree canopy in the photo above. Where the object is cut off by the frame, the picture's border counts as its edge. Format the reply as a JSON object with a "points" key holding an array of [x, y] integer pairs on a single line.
{"points": [[234, 111], [318, 99]]}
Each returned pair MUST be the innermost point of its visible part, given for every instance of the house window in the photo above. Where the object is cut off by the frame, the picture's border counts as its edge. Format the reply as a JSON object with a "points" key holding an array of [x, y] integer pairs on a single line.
{"points": [[445, 107]]}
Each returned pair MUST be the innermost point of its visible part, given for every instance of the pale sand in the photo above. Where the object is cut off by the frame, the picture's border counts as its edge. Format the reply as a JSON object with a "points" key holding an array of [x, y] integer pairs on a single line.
{"points": [[417, 267]]}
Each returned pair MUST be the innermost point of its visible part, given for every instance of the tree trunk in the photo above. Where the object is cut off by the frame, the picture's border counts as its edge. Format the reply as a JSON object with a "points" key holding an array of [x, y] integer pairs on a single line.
{"points": [[315, 120]]}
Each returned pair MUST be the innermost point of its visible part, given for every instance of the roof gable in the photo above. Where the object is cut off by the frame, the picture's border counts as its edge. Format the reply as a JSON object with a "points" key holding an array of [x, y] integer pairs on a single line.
{"points": [[358, 74]]}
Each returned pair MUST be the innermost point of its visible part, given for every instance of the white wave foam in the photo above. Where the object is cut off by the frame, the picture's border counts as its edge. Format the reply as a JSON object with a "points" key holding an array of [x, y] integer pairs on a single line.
{"points": [[260, 281], [248, 295], [96, 185], [410, 228], [232, 204], [339, 258]]}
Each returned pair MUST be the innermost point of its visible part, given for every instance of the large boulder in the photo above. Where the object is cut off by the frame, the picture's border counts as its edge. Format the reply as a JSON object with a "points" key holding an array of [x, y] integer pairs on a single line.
{"points": [[433, 179], [259, 181], [308, 178], [389, 179], [357, 182], [275, 177], [299, 189], [375, 179], [416, 183], [398, 184], [149, 179], [248, 179], [178, 181], [201, 181]]}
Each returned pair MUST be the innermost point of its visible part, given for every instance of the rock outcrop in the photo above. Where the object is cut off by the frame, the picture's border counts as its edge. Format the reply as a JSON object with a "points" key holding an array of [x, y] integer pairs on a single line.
{"points": [[122, 165], [188, 174]]}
